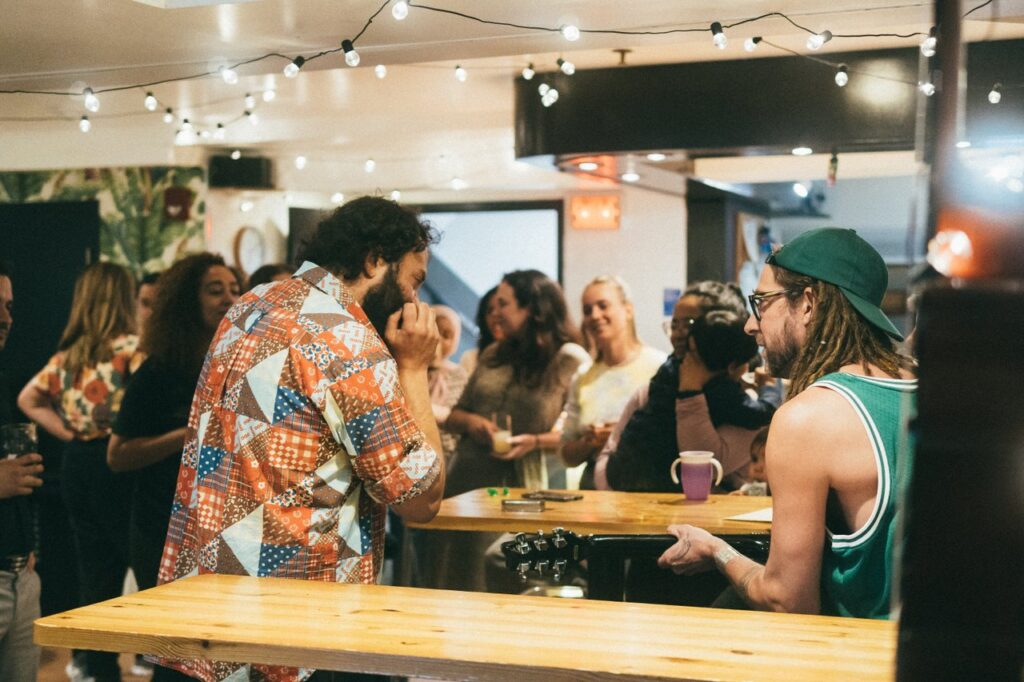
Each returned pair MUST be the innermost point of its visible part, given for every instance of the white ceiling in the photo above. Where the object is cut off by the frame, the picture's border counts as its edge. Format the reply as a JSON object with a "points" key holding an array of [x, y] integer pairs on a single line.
{"points": [[420, 125]]}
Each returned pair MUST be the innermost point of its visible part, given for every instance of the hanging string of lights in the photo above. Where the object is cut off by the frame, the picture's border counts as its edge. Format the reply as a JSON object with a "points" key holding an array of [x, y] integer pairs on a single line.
{"points": [[549, 95]]}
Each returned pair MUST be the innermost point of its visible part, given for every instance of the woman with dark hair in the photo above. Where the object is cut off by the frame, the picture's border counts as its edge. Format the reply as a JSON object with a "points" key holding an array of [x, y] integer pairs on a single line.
{"points": [[149, 434], [76, 397], [489, 331], [271, 272], [525, 378]]}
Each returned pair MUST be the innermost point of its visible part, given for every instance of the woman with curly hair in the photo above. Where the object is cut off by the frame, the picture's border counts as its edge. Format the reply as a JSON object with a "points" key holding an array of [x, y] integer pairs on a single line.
{"points": [[76, 397], [149, 432]]}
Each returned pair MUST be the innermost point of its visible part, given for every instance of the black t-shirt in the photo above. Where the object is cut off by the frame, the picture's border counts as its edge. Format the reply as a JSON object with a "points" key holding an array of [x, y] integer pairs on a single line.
{"points": [[17, 514], [156, 400]]}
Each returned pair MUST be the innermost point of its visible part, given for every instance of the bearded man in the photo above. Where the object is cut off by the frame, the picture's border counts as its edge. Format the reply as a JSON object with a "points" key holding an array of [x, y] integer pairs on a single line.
{"points": [[835, 457], [311, 416]]}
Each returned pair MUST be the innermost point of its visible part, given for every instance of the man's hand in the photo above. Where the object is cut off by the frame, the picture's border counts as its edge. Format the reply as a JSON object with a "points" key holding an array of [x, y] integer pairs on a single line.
{"points": [[693, 373], [693, 553], [413, 342], [19, 476]]}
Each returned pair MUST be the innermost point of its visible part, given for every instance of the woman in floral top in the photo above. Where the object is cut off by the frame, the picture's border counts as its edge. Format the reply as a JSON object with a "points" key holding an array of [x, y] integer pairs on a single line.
{"points": [[76, 397]]}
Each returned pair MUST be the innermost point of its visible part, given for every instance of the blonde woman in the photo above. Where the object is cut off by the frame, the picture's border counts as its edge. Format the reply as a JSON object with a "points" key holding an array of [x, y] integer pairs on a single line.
{"points": [[622, 363], [76, 397]]}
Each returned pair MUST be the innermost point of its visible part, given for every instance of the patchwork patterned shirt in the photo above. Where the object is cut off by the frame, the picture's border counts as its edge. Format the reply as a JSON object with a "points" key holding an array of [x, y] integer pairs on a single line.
{"points": [[297, 438]]}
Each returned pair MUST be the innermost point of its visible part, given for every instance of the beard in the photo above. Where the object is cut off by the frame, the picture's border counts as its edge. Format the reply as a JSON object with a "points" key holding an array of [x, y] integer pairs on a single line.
{"points": [[782, 355], [383, 300]]}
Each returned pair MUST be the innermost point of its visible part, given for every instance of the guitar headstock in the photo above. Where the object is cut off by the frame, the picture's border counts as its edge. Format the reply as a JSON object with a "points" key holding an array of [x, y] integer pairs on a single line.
{"points": [[540, 555]]}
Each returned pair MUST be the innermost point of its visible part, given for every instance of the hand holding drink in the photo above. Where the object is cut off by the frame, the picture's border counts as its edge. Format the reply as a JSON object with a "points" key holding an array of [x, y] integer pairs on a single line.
{"points": [[502, 436]]}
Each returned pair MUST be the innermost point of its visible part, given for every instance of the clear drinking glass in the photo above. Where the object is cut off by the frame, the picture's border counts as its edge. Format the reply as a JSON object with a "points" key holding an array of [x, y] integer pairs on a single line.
{"points": [[18, 439]]}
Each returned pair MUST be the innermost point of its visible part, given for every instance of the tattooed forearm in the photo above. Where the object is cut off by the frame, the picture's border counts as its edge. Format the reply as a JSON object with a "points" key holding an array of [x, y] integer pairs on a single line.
{"points": [[723, 556]]}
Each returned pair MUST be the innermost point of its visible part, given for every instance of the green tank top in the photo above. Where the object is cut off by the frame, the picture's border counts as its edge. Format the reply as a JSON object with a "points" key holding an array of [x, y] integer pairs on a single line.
{"points": [[857, 568]]}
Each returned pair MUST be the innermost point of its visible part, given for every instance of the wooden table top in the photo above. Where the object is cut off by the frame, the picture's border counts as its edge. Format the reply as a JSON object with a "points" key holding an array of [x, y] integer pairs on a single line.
{"points": [[469, 635], [600, 511]]}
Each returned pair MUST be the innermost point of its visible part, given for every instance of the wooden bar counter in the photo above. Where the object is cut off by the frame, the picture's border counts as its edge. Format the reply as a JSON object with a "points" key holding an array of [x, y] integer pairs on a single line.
{"points": [[461, 635], [600, 511]]}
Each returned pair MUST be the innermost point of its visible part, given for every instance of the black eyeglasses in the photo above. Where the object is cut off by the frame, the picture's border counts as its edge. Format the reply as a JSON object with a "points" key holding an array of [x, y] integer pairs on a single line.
{"points": [[756, 300]]}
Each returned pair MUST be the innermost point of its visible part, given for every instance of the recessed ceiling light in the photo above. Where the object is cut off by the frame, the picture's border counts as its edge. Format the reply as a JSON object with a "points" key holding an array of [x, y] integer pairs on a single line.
{"points": [[588, 166], [802, 151], [656, 156]]}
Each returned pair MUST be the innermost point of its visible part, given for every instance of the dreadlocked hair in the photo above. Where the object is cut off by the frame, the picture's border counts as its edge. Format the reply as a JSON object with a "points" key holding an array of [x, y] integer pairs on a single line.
{"points": [[837, 336]]}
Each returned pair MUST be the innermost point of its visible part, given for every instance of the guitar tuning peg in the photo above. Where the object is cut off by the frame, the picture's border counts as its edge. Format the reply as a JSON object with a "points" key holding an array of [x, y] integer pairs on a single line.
{"points": [[520, 538], [559, 542], [558, 569], [522, 570], [542, 566], [558, 531], [541, 544]]}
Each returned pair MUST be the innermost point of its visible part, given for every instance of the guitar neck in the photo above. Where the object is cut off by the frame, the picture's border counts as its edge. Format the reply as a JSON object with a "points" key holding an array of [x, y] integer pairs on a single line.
{"points": [[626, 546]]}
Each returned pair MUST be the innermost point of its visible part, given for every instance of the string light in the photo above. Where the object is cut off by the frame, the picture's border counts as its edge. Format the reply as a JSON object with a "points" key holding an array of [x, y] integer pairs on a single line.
{"points": [[229, 75], [337, 198], [380, 71], [150, 102], [236, 155], [630, 176], [92, 102], [292, 70], [549, 97], [566, 67], [928, 44], [300, 162], [996, 93], [570, 32], [351, 56], [246, 205], [528, 72], [927, 88], [588, 166], [815, 41], [963, 144], [186, 124], [718, 35], [458, 184], [254, 120], [218, 133], [460, 74], [801, 190], [370, 165], [396, 195], [750, 44], [656, 157], [400, 10], [168, 115], [84, 125], [801, 151], [269, 95], [542, 89], [250, 101], [842, 75]]}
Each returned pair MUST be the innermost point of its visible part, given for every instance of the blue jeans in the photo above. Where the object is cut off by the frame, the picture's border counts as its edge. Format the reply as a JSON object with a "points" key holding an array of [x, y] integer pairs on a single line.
{"points": [[19, 607]]}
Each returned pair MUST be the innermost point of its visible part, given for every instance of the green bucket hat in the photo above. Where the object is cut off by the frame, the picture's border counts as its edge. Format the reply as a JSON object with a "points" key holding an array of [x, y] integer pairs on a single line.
{"points": [[841, 257]]}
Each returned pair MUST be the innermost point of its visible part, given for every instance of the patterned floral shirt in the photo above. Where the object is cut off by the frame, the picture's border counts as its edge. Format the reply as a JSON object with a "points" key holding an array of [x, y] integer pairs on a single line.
{"points": [[297, 438], [89, 402]]}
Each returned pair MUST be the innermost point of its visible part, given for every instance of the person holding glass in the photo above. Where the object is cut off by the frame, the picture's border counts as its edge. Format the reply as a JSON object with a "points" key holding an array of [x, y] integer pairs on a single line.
{"points": [[622, 364], [76, 397]]}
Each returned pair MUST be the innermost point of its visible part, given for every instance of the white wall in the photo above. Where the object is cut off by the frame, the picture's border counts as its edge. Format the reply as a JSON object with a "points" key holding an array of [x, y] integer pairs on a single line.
{"points": [[648, 251], [269, 215]]}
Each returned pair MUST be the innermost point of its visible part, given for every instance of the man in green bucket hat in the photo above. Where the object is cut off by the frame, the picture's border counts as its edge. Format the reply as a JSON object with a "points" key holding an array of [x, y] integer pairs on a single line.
{"points": [[834, 447]]}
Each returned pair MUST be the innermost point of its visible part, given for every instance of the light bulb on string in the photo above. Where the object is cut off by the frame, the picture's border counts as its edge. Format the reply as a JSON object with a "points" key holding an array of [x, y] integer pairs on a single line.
{"points": [[269, 95], [566, 67], [380, 71], [84, 125], [186, 124], [169, 115], [929, 43], [205, 134], [236, 155], [543, 88], [570, 32], [300, 162], [292, 70], [927, 88], [718, 35], [815, 41], [337, 198], [549, 97], [842, 75], [460, 74], [92, 102], [229, 75], [370, 165], [396, 195], [400, 10], [996, 93], [218, 133], [150, 102], [351, 56], [528, 72], [250, 101], [459, 184], [750, 44], [254, 120]]}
